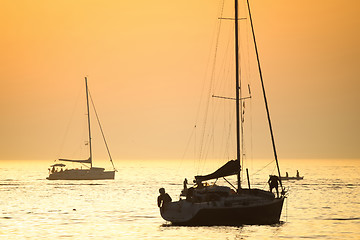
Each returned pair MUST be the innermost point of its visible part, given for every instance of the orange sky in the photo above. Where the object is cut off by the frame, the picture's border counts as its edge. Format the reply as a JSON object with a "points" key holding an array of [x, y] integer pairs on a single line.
{"points": [[146, 62]]}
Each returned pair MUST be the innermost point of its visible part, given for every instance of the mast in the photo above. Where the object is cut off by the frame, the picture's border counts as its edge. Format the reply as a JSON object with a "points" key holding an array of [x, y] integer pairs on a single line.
{"points": [[237, 79], [264, 94], [88, 114]]}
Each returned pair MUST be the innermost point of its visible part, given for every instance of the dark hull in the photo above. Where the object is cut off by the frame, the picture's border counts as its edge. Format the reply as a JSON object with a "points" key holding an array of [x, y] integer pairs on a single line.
{"points": [[236, 216], [82, 174], [292, 178]]}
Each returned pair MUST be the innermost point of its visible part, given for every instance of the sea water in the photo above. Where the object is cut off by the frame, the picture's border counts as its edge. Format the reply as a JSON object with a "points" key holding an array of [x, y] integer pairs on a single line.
{"points": [[324, 205]]}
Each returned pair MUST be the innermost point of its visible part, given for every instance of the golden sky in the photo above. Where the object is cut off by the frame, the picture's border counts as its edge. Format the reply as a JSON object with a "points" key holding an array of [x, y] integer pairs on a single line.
{"points": [[146, 62]]}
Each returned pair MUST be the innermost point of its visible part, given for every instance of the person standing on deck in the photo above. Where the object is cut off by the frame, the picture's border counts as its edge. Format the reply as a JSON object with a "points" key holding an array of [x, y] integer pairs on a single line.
{"points": [[273, 183]]}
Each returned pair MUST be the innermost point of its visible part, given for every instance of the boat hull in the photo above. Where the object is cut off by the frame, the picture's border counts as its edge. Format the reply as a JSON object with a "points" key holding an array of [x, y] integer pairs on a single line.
{"points": [[82, 174], [191, 214], [292, 178], [258, 215]]}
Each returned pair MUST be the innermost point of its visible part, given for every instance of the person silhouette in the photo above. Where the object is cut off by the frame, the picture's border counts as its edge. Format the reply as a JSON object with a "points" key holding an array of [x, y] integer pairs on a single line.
{"points": [[184, 191], [273, 183], [163, 198]]}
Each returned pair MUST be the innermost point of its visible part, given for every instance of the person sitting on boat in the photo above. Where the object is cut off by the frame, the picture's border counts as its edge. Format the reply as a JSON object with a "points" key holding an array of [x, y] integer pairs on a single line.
{"points": [[287, 174], [273, 183], [163, 198], [297, 174]]}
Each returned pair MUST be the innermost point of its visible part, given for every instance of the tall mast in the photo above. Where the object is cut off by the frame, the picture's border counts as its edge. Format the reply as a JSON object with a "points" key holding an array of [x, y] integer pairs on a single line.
{"points": [[237, 79], [88, 114], [264, 94]]}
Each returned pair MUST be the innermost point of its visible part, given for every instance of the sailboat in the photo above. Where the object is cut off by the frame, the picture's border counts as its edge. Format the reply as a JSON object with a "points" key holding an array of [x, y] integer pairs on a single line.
{"points": [[59, 172], [211, 204]]}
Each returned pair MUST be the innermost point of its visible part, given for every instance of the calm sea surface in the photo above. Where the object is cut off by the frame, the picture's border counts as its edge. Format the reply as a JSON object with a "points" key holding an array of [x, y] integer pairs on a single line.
{"points": [[325, 205]]}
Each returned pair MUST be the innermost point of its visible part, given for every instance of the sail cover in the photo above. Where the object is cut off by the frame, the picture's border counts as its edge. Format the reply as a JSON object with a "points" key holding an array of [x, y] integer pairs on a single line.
{"points": [[78, 161], [232, 167]]}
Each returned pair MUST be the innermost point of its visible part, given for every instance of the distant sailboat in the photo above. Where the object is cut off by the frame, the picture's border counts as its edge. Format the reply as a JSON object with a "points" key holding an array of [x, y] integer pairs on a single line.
{"points": [[206, 204], [57, 171]]}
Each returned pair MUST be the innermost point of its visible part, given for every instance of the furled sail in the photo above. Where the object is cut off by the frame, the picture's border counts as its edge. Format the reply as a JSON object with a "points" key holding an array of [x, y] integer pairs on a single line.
{"points": [[74, 160], [232, 167]]}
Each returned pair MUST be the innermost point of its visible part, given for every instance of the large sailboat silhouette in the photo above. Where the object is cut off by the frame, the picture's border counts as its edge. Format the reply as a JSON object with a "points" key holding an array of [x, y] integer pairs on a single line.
{"points": [[205, 204]]}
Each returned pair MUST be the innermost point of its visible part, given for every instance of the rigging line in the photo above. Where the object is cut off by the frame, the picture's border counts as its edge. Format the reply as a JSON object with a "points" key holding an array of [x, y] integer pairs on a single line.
{"points": [[216, 52], [226, 60], [216, 46], [241, 108], [84, 165], [102, 132], [231, 113], [286, 210], [193, 132], [225, 139], [210, 140], [251, 132], [222, 106], [67, 128], [263, 167], [88, 120], [217, 107], [220, 84], [232, 18], [229, 183], [213, 128], [228, 125], [189, 140], [80, 149], [264, 94], [247, 75], [229, 98], [227, 114], [210, 84]]}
